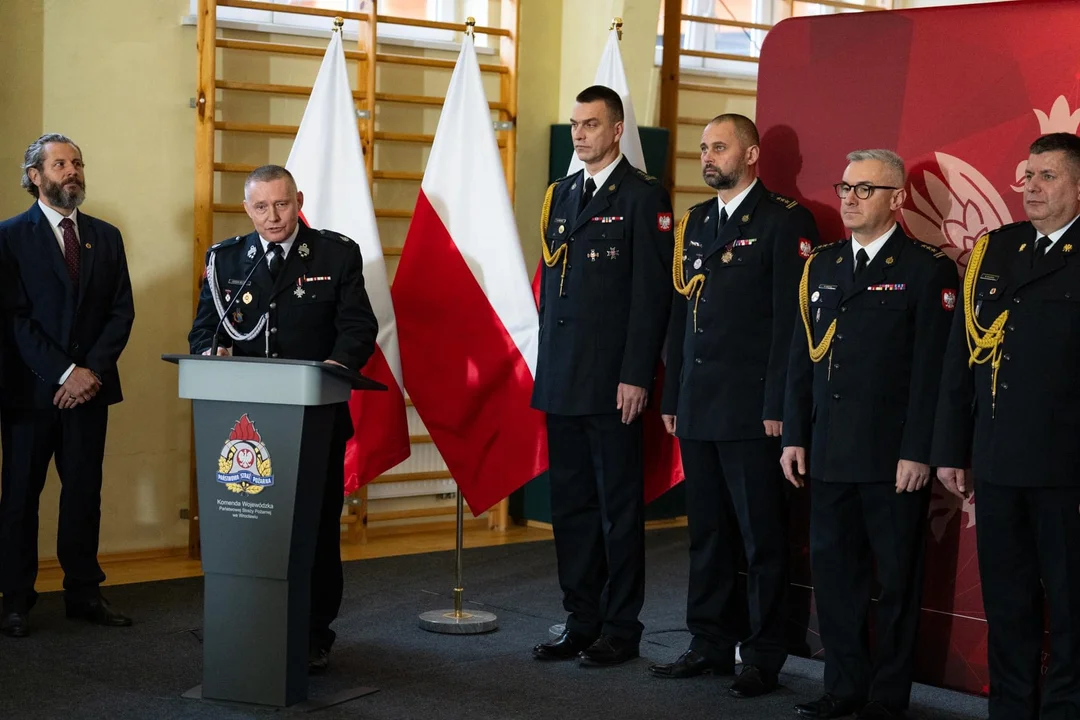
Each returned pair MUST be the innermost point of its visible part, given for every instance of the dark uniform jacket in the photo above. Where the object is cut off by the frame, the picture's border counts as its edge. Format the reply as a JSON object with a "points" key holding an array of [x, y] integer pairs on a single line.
{"points": [[318, 307], [1029, 435], [52, 324], [870, 401], [726, 363], [603, 319]]}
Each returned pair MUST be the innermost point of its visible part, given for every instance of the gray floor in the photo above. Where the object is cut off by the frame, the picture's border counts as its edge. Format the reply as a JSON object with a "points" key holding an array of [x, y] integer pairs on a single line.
{"points": [[72, 670]]}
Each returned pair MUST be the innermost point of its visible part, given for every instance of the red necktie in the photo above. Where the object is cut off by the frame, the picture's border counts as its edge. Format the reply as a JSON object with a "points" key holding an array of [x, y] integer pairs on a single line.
{"points": [[71, 250]]}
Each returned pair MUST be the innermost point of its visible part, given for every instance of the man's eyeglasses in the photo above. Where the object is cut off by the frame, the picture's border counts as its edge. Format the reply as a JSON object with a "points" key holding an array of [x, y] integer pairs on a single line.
{"points": [[863, 191]]}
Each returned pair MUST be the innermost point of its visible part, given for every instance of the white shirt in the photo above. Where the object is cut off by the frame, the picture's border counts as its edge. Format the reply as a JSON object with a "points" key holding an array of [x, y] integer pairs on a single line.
{"points": [[285, 245], [873, 247], [601, 177], [1056, 235], [54, 219], [732, 206]]}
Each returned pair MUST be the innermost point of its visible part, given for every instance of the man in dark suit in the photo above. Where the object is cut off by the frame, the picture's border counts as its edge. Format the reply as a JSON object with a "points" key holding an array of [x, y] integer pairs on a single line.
{"points": [[862, 387], [68, 314], [604, 301], [296, 293], [738, 259], [1010, 410]]}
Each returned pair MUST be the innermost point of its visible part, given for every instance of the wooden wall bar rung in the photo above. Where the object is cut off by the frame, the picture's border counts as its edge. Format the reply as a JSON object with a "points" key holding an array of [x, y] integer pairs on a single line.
{"points": [[293, 9], [417, 138], [233, 167], [725, 23], [414, 476], [433, 100], [262, 128], [392, 175], [437, 25], [841, 5], [719, 56], [431, 62], [283, 48], [718, 89], [687, 155], [303, 90]]}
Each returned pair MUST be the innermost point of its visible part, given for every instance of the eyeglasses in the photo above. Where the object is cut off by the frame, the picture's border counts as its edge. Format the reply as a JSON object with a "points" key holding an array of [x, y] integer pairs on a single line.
{"points": [[863, 191]]}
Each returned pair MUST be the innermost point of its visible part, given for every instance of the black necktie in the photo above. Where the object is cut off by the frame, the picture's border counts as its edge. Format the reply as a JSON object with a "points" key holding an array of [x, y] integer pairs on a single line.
{"points": [[1040, 249], [275, 252], [586, 195], [861, 259]]}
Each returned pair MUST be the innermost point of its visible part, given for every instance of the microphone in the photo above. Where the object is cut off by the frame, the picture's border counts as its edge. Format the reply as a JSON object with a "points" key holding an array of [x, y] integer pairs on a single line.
{"points": [[225, 313]]}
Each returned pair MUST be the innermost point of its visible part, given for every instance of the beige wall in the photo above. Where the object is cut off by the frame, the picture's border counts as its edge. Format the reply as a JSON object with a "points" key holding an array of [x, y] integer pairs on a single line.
{"points": [[22, 31]]}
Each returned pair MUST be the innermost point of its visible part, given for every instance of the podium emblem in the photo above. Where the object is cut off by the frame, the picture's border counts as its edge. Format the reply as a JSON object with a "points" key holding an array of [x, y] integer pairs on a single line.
{"points": [[244, 466]]}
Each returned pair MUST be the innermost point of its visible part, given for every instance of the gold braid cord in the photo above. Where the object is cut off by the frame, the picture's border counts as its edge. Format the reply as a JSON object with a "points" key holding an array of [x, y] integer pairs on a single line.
{"points": [[695, 285], [818, 352], [984, 344], [551, 258]]}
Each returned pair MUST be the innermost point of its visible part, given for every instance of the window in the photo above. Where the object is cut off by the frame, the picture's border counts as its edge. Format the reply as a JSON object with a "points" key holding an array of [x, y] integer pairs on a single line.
{"points": [[289, 22]]}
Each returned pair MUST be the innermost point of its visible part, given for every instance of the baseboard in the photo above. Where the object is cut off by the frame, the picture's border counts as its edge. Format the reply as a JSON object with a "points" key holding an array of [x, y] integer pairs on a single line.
{"points": [[679, 521], [51, 563]]}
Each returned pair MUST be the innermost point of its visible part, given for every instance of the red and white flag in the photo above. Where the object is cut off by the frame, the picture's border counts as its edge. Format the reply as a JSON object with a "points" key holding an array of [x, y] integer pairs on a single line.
{"points": [[328, 164], [469, 326]]}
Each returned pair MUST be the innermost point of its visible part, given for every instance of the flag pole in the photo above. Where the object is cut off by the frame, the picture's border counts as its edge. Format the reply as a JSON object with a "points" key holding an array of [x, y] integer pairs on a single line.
{"points": [[616, 24], [457, 621]]}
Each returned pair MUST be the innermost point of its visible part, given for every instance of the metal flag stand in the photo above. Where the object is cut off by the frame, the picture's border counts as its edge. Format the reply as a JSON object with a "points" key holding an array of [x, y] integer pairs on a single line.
{"points": [[457, 621]]}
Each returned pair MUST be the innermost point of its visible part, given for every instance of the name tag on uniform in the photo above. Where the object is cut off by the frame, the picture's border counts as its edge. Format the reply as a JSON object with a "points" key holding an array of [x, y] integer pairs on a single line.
{"points": [[887, 286], [605, 219], [826, 287], [744, 243], [235, 282]]}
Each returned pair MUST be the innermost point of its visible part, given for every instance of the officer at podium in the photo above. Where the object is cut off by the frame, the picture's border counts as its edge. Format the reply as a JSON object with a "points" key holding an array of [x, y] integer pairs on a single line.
{"points": [[287, 291]]}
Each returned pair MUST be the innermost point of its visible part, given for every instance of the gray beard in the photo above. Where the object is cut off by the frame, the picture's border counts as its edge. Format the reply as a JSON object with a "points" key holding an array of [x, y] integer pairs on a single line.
{"points": [[61, 198], [721, 181]]}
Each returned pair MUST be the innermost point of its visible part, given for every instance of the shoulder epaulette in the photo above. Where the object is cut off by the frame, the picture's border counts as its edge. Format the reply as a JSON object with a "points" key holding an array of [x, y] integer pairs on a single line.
{"points": [[933, 249], [226, 243], [332, 235], [1008, 227], [646, 176], [826, 246], [786, 202]]}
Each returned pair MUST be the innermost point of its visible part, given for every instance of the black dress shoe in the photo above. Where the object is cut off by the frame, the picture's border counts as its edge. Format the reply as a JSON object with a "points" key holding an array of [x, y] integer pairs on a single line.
{"points": [[15, 624], [565, 647], [691, 664], [608, 650], [318, 660], [828, 706], [752, 682], [97, 611], [874, 710]]}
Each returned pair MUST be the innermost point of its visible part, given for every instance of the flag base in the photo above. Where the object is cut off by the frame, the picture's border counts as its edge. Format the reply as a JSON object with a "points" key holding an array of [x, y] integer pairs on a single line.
{"points": [[466, 622]]}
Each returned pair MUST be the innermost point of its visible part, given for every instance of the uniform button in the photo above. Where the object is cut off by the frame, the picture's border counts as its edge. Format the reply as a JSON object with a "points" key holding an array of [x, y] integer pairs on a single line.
{"points": [[562, 322], [836, 396], [704, 299], [273, 306], [273, 331], [1011, 327], [1007, 356], [836, 366], [697, 361], [1004, 386], [571, 239], [1016, 300], [74, 346], [839, 338], [700, 331], [843, 308], [273, 354]]}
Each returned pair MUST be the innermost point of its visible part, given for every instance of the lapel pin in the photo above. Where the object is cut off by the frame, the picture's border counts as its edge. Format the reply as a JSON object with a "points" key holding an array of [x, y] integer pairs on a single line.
{"points": [[247, 298], [611, 188], [889, 261], [574, 186], [839, 259], [746, 218], [993, 291], [304, 250], [251, 252], [1064, 248], [88, 246], [1022, 246], [562, 229]]}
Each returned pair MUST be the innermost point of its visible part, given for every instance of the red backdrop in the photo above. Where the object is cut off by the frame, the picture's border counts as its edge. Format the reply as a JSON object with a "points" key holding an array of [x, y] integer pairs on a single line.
{"points": [[960, 93]]}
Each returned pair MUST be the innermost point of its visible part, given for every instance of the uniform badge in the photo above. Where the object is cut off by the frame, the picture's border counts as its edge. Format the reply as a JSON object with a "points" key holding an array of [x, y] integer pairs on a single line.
{"points": [[817, 315], [251, 252], [247, 298], [298, 292], [88, 246], [304, 250], [663, 221], [805, 246], [574, 186], [612, 253], [1067, 248], [697, 264], [889, 261], [993, 291], [706, 218], [592, 255], [228, 296], [1022, 247], [611, 188], [840, 259], [815, 297], [746, 218], [562, 229], [948, 299], [238, 317], [727, 256]]}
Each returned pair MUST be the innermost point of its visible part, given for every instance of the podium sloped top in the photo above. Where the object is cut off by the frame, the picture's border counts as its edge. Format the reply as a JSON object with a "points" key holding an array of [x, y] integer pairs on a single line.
{"points": [[266, 380]]}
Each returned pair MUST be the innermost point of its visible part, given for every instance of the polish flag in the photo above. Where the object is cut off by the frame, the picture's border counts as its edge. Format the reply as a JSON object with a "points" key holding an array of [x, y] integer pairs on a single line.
{"points": [[663, 464], [328, 164], [469, 327]]}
